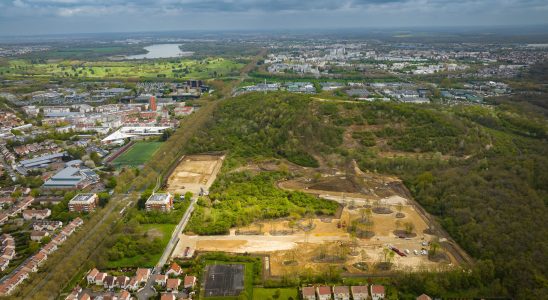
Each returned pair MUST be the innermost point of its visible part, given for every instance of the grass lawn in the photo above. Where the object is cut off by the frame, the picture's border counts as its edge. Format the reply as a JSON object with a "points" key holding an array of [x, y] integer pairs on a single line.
{"points": [[137, 155], [165, 230], [248, 280], [265, 294]]}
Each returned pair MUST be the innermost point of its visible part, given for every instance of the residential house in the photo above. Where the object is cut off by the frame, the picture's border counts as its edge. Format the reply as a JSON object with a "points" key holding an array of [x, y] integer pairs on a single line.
{"points": [[324, 292], [424, 297], [308, 293], [37, 236], [4, 264], [30, 266], [109, 282], [189, 282], [40, 257], [360, 292], [124, 295], [133, 284], [168, 296], [91, 275], [377, 292], [36, 214], [100, 278], [160, 279], [50, 247], [174, 269], [122, 281], [142, 275], [341, 292], [172, 284], [74, 294], [42, 225]]}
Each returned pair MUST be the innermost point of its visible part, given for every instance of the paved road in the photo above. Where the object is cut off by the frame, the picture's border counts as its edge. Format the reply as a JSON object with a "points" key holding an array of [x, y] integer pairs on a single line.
{"points": [[148, 291]]}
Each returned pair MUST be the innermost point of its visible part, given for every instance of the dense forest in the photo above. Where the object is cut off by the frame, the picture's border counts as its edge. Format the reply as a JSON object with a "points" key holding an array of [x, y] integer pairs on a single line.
{"points": [[481, 170]]}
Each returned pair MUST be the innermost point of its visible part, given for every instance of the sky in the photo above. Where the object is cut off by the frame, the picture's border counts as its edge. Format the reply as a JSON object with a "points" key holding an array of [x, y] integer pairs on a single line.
{"points": [[36, 17]]}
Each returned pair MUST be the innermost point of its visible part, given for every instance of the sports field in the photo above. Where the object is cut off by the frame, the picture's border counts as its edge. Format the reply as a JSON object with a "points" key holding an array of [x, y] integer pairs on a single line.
{"points": [[137, 155]]}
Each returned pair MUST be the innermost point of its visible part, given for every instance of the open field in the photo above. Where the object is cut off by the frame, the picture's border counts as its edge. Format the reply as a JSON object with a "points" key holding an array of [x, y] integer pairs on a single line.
{"points": [[137, 155], [180, 68], [320, 242], [193, 173], [161, 231]]}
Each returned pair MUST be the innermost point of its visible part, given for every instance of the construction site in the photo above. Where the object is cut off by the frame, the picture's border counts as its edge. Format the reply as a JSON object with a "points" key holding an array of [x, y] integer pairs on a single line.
{"points": [[377, 229], [195, 174]]}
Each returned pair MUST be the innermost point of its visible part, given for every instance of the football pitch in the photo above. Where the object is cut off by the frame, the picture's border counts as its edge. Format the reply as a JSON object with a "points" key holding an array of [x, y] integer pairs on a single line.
{"points": [[137, 155]]}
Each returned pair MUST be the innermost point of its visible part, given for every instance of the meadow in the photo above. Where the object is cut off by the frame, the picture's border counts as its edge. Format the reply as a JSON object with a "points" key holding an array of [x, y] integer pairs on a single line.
{"points": [[172, 68]]}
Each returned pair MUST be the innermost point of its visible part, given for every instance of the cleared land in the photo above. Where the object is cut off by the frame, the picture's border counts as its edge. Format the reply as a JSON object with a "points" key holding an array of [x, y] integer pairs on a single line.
{"points": [[137, 155], [193, 173], [294, 246]]}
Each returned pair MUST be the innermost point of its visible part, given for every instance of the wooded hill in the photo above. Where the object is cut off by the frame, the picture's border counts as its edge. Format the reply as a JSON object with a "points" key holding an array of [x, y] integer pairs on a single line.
{"points": [[481, 170]]}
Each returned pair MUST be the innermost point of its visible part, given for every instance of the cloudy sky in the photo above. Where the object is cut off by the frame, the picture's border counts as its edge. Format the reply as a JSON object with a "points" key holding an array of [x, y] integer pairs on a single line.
{"points": [[78, 16]]}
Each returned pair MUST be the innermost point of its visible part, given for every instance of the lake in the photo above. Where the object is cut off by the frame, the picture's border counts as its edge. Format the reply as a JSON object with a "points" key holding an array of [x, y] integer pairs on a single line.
{"points": [[161, 51]]}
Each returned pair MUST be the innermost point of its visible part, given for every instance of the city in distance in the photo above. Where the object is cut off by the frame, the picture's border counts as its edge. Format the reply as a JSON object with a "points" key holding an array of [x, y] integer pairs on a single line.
{"points": [[273, 149]]}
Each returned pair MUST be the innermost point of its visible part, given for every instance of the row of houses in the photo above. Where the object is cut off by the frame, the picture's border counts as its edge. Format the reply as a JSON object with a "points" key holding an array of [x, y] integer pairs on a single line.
{"points": [[360, 292], [14, 279], [16, 209], [111, 282], [7, 250], [77, 294]]}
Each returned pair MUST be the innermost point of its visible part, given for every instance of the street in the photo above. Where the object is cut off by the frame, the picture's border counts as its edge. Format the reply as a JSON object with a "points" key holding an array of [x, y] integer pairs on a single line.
{"points": [[148, 290]]}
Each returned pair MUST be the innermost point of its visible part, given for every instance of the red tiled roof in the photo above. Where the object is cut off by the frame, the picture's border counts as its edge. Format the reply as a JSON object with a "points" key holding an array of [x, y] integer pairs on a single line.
{"points": [[309, 291], [324, 290], [359, 289], [377, 289], [341, 290]]}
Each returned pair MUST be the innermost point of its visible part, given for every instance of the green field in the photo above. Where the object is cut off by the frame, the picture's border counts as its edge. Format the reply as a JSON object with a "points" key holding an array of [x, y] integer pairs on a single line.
{"points": [[177, 68], [163, 231], [265, 294], [137, 155]]}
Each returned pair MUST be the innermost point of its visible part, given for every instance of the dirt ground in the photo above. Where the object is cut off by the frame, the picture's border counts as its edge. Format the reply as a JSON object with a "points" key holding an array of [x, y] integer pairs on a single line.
{"points": [[194, 172], [292, 249]]}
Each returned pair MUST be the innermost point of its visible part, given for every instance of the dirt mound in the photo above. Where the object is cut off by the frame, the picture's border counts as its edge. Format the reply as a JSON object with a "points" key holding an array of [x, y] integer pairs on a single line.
{"points": [[438, 257], [382, 210], [404, 234], [362, 266], [400, 215], [336, 184]]}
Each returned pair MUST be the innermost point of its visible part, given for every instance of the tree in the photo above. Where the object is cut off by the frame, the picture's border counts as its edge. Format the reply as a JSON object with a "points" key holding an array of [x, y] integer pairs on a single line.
{"points": [[409, 227], [434, 246]]}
